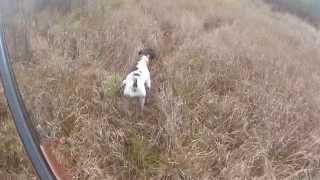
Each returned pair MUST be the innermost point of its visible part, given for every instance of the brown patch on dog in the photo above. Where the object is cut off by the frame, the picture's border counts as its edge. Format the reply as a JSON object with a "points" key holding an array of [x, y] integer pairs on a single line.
{"points": [[148, 52]]}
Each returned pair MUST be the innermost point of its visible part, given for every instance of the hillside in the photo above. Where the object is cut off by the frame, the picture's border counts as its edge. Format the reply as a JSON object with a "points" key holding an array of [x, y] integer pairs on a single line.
{"points": [[235, 90]]}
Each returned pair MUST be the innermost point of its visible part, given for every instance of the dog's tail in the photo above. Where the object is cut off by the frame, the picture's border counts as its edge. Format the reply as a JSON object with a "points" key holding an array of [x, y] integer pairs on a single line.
{"points": [[135, 84]]}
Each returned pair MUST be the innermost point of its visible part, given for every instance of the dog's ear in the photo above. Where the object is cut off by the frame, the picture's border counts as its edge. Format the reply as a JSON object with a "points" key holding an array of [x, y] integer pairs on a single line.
{"points": [[152, 54]]}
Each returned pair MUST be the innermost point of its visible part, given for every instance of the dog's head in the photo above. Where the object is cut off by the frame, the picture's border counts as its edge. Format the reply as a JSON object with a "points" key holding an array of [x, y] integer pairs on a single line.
{"points": [[150, 53]]}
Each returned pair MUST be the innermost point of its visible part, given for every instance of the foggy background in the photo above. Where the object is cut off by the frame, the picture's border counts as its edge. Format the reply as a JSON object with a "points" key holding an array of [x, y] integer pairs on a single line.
{"points": [[306, 9]]}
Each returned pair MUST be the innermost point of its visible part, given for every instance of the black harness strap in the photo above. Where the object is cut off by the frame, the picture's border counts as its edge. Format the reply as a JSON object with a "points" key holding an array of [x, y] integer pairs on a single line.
{"points": [[27, 134]]}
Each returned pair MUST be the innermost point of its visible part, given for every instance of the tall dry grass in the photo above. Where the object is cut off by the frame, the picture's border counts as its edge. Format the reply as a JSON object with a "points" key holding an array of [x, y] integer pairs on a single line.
{"points": [[234, 95]]}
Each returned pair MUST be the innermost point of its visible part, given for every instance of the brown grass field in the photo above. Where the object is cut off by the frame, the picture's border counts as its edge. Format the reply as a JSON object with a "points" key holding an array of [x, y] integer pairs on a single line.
{"points": [[235, 91]]}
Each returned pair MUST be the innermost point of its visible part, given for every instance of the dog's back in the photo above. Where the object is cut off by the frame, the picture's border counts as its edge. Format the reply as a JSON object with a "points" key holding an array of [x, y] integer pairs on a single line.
{"points": [[135, 85]]}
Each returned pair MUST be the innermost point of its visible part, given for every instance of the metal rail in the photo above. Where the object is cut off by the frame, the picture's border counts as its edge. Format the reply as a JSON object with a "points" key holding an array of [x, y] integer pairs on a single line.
{"points": [[26, 131]]}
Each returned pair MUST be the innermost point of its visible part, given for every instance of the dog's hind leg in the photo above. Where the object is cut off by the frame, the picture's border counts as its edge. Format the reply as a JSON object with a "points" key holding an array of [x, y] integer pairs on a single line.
{"points": [[141, 102]]}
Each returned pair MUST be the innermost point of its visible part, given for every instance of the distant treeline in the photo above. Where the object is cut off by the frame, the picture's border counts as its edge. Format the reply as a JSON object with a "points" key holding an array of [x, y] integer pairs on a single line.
{"points": [[308, 10], [12, 7]]}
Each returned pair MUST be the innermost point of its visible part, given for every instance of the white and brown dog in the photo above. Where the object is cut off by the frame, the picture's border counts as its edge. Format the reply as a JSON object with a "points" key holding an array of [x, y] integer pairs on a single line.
{"points": [[138, 82]]}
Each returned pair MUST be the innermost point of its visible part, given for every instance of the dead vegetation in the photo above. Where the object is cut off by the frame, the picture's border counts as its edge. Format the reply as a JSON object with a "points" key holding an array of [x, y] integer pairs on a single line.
{"points": [[235, 90]]}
